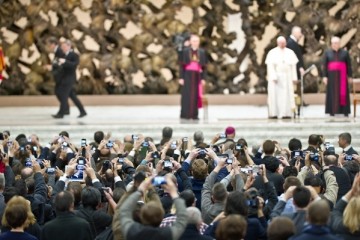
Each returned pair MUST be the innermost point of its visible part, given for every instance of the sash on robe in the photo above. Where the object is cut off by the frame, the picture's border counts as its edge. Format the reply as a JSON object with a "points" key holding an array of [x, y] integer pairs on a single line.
{"points": [[196, 67], [341, 67], [2, 63]]}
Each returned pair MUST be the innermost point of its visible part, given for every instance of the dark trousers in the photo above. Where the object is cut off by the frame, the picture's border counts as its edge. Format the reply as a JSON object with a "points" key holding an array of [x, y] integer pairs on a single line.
{"points": [[63, 93]]}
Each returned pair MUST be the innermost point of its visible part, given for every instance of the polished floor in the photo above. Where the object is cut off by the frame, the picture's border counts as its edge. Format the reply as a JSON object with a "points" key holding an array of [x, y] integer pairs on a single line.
{"points": [[250, 122]]}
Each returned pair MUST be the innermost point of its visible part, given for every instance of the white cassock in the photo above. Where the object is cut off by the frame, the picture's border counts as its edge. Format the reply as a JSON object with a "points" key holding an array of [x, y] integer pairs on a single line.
{"points": [[281, 66]]}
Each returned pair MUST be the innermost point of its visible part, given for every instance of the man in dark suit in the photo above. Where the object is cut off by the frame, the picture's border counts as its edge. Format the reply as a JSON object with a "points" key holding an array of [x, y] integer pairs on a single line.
{"points": [[67, 78], [345, 144], [66, 225], [53, 47], [292, 43]]}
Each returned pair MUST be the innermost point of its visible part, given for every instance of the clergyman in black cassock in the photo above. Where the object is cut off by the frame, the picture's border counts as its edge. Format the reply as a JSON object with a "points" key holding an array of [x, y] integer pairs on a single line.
{"points": [[192, 76], [337, 74]]}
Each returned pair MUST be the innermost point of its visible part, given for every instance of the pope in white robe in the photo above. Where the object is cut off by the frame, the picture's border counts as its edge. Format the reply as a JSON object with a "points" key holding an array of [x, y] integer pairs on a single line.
{"points": [[281, 71]]}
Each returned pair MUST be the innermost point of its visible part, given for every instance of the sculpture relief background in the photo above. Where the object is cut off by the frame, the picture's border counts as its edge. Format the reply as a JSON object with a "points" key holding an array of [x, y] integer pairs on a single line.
{"points": [[126, 46]]}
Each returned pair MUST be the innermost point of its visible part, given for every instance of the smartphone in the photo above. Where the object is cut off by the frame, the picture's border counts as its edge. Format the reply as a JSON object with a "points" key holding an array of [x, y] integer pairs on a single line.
{"points": [[83, 142], [157, 181], [134, 137], [120, 160], [222, 135], [256, 169], [81, 161], [229, 161], [173, 145], [185, 141], [106, 165], [145, 144], [238, 147], [1, 136], [28, 162], [155, 155], [168, 164], [50, 170]]}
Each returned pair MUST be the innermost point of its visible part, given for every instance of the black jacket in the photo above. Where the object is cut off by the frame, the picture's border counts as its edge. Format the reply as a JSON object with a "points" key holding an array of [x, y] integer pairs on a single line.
{"points": [[56, 69], [276, 178], [343, 180], [67, 226], [68, 69], [351, 151], [293, 45], [98, 220]]}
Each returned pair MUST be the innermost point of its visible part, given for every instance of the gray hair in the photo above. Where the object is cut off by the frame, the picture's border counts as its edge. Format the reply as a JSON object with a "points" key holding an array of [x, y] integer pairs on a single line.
{"points": [[194, 215], [67, 42], [198, 136]]}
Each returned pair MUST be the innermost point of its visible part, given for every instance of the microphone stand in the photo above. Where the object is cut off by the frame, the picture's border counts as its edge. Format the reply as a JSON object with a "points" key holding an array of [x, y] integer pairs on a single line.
{"points": [[302, 89]]}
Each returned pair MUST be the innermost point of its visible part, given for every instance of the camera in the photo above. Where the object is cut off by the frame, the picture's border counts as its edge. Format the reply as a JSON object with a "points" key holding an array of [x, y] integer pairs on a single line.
{"points": [[40, 162], [314, 156], [297, 153], [348, 157], [229, 161], [253, 201], [145, 144], [64, 145], [83, 142], [168, 164], [29, 139], [202, 153], [109, 144], [106, 165], [50, 170], [157, 181], [155, 155], [222, 135], [120, 160], [238, 147]]}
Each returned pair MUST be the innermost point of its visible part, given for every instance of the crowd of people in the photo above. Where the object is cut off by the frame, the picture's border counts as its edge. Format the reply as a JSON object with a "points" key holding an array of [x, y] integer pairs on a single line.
{"points": [[134, 188]]}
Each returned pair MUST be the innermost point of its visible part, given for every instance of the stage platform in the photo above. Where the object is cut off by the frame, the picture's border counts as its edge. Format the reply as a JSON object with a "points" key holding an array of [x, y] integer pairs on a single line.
{"points": [[250, 121], [145, 100]]}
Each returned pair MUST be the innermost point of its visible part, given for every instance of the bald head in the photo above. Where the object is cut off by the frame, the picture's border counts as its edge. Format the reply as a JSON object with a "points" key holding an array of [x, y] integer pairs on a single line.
{"points": [[194, 42], [296, 32], [281, 42], [335, 43]]}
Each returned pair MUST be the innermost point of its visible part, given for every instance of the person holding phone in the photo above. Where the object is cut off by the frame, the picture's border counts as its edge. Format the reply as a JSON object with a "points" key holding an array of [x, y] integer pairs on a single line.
{"points": [[152, 214]]}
